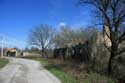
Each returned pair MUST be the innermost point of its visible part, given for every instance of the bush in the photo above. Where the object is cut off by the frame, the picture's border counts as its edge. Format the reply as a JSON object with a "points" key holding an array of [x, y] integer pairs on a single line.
{"points": [[100, 60], [97, 78], [119, 68]]}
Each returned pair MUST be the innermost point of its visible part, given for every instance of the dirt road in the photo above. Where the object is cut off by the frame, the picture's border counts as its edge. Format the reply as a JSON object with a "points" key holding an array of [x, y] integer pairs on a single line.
{"points": [[25, 71]]}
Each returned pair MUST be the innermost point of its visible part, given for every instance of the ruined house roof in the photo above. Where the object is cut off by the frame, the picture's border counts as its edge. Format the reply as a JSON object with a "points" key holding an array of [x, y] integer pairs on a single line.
{"points": [[12, 49]]}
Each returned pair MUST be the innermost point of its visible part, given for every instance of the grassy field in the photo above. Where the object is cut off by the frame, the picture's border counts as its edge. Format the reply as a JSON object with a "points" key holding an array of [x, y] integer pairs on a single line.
{"points": [[67, 75], [3, 62]]}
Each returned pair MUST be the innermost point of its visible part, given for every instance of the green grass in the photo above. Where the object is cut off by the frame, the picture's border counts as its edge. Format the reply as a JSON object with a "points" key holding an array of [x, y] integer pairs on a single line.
{"points": [[3, 62], [63, 76]]}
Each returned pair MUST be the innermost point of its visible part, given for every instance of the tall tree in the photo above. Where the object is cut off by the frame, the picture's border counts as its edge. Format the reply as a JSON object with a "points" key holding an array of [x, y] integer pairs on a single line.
{"points": [[68, 36], [42, 37], [112, 14]]}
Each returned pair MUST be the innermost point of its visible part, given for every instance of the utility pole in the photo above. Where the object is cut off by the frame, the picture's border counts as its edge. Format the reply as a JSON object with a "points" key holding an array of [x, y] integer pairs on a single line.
{"points": [[2, 42]]}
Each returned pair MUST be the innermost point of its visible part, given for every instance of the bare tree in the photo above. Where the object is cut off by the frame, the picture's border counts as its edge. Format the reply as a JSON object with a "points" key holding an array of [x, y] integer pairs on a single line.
{"points": [[68, 36], [42, 37], [64, 36], [112, 14]]}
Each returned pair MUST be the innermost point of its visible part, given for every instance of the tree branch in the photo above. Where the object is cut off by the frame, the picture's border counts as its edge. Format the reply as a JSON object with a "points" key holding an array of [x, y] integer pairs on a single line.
{"points": [[107, 34], [121, 51], [121, 37]]}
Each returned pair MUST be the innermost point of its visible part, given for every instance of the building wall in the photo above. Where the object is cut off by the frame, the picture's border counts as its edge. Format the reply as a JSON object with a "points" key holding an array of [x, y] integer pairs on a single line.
{"points": [[106, 34]]}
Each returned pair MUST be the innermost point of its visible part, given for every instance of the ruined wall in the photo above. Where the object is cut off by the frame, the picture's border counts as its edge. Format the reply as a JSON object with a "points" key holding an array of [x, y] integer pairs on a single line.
{"points": [[106, 35]]}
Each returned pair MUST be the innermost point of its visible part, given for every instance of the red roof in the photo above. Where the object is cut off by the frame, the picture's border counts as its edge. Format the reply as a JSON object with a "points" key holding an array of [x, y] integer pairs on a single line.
{"points": [[12, 49]]}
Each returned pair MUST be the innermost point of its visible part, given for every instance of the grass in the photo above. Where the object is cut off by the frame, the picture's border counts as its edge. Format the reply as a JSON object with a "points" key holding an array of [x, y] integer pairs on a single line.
{"points": [[97, 78], [3, 62], [67, 75], [63, 76]]}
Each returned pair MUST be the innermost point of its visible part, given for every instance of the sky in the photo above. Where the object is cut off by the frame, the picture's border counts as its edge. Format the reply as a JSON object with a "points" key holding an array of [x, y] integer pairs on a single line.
{"points": [[18, 17]]}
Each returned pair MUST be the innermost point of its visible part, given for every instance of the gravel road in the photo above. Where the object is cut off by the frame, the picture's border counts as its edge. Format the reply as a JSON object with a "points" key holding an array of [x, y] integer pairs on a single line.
{"points": [[25, 71]]}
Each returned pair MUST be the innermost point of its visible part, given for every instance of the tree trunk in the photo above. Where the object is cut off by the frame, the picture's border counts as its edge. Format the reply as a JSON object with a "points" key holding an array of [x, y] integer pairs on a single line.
{"points": [[44, 54], [113, 53], [110, 64]]}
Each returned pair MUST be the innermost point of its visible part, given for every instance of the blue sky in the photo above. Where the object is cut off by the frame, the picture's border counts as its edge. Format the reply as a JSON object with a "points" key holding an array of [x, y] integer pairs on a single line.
{"points": [[17, 17]]}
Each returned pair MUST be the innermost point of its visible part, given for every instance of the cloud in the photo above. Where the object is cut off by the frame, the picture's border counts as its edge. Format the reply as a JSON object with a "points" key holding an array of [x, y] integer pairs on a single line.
{"points": [[62, 24]]}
